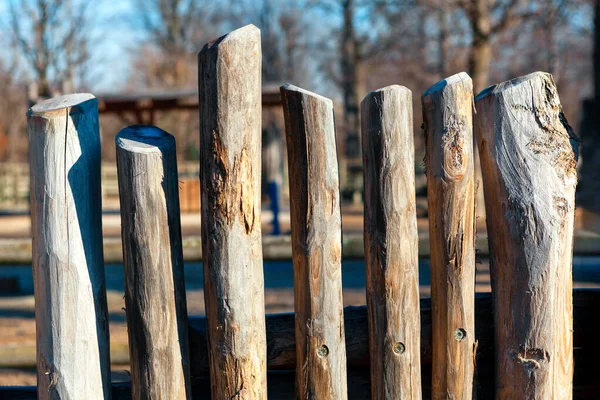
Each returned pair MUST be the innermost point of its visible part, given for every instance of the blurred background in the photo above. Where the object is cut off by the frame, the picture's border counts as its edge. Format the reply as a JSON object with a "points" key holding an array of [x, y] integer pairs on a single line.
{"points": [[139, 58]]}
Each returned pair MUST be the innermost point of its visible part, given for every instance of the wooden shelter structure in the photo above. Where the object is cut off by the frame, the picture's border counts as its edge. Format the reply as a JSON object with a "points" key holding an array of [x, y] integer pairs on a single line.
{"points": [[143, 106]]}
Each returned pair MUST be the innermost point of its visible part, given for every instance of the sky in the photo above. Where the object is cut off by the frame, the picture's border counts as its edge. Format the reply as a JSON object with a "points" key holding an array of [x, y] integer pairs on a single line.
{"points": [[114, 37]]}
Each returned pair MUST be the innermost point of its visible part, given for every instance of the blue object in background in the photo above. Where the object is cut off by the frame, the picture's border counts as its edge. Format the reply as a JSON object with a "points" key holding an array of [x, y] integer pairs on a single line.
{"points": [[273, 193]]}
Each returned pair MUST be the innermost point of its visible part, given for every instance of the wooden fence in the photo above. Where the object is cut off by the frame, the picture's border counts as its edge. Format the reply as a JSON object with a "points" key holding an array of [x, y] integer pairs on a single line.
{"points": [[517, 343], [14, 185]]}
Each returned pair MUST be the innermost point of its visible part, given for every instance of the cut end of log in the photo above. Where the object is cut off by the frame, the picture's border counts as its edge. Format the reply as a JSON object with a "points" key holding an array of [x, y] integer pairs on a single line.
{"points": [[246, 33], [461, 78], [144, 139], [401, 90], [78, 103], [501, 87], [289, 88]]}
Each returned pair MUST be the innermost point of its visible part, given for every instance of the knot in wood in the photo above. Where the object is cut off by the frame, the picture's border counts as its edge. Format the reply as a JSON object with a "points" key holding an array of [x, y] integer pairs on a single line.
{"points": [[456, 157]]}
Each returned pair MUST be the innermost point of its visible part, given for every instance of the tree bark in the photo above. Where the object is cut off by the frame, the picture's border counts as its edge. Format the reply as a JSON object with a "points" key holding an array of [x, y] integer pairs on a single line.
{"points": [[391, 244], [153, 257], [529, 158], [73, 358], [316, 245], [229, 72]]}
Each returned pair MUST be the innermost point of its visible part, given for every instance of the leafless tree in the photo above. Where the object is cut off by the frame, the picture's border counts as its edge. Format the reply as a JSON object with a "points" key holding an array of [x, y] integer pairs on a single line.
{"points": [[174, 30], [50, 37], [13, 99]]}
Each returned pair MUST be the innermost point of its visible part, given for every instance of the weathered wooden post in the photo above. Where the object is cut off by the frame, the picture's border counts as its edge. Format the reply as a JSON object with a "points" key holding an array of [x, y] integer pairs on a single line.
{"points": [[529, 158], [152, 253], [391, 244], [229, 71], [448, 124], [316, 244], [73, 358]]}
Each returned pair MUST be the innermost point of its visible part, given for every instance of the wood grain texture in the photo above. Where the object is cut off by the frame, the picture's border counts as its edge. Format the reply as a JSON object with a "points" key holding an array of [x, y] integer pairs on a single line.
{"points": [[448, 125], [229, 74], [528, 158], [391, 244], [316, 244], [152, 253], [282, 352], [73, 358]]}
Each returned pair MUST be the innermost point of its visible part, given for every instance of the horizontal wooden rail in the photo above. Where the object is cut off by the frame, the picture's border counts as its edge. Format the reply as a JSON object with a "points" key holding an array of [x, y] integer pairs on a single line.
{"points": [[281, 352]]}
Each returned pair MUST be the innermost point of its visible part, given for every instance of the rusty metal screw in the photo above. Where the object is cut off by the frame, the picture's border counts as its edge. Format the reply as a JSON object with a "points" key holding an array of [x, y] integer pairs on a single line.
{"points": [[323, 351], [399, 348], [460, 334]]}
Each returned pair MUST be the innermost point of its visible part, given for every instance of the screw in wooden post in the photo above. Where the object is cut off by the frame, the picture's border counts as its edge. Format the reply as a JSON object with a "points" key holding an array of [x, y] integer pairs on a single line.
{"points": [[391, 244], [316, 244], [448, 125]]}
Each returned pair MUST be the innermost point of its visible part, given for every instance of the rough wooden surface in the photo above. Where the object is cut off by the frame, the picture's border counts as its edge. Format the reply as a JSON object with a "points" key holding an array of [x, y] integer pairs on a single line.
{"points": [[155, 301], [229, 74], [529, 158], [282, 351], [316, 244], [391, 244], [68, 265], [448, 125]]}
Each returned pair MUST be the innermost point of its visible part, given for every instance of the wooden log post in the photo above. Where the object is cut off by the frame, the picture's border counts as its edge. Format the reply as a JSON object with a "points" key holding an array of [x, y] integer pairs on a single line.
{"points": [[73, 358], [155, 301], [448, 125], [529, 157], [230, 137], [391, 244], [316, 244]]}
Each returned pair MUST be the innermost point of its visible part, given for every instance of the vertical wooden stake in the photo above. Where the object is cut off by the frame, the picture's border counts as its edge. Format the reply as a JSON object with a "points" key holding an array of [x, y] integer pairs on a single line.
{"points": [[391, 244], [528, 158], [229, 71], [316, 245], [73, 358], [153, 257], [448, 124]]}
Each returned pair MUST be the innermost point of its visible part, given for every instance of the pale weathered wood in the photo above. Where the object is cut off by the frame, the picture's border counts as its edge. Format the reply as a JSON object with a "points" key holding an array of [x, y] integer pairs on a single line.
{"points": [[529, 158], [155, 301], [448, 125], [391, 244], [316, 245], [230, 135], [68, 264]]}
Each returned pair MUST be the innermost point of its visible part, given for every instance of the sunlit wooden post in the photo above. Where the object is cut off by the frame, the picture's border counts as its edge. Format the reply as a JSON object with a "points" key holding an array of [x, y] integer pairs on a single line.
{"points": [[229, 72], [73, 358], [529, 159], [391, 244], [316, 245], [155, 301], [448, 125]]}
